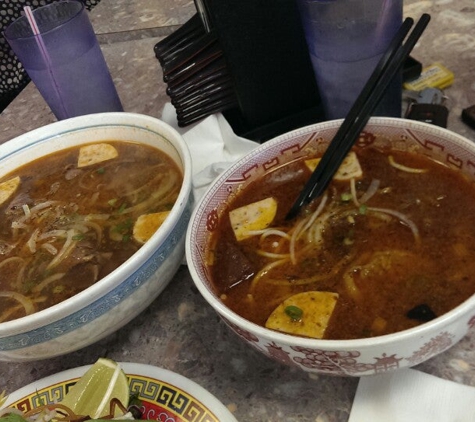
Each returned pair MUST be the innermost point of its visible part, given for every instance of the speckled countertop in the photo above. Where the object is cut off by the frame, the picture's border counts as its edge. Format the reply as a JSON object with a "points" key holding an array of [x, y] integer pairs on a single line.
{"points": [[179, 331]]}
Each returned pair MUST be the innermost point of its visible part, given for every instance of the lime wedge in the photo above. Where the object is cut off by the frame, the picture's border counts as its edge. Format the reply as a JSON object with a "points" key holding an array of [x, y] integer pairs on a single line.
{"points": [[92, 394]]}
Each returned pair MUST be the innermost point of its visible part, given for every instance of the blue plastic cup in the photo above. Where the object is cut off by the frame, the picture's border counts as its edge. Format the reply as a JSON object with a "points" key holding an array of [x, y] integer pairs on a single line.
{"points": [[346, 39], [64, 60]]}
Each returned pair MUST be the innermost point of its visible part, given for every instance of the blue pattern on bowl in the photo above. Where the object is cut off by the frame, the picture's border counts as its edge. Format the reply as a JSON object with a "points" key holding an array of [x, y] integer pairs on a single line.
{"points": [[107, 302]]}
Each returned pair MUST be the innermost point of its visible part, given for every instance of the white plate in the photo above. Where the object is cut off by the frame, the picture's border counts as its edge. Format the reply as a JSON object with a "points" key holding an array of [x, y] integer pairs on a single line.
{"points": [[165, 395]]}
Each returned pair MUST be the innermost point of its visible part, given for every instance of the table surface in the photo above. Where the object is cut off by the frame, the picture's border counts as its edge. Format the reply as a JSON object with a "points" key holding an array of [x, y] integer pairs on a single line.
{"points": [[180, 331]]}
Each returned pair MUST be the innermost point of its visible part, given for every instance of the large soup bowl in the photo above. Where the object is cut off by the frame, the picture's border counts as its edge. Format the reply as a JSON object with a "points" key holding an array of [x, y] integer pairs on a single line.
{"points": [[120, 296], [334, 357]]}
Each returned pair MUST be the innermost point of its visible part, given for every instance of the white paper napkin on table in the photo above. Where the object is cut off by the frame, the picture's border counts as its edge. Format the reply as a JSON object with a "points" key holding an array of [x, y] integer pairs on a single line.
{"points": [[409, 395], [213, 146]]}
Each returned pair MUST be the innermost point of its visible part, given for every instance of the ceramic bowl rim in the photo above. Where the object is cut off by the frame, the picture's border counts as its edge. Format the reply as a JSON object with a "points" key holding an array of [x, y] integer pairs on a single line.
{"points": [[416, 332], [159, 375], [97, 290]]}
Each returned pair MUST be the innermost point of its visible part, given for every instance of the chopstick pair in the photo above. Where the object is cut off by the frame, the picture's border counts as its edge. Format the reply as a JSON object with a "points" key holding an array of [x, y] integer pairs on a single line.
{"points": [[360, 112]]}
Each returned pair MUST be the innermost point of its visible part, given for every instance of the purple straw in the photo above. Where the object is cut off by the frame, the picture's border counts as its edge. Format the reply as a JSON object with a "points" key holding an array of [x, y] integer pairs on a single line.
{"points": [[44, 52]]}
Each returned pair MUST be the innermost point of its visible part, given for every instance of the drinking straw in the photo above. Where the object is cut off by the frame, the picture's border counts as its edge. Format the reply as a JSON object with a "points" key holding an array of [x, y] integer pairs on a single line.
{"points": [[44, 52]]}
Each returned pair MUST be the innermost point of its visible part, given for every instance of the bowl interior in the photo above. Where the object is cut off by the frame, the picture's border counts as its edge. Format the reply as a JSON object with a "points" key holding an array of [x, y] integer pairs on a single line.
{"points": [[88, 129], [14, 155], [440, 144]]}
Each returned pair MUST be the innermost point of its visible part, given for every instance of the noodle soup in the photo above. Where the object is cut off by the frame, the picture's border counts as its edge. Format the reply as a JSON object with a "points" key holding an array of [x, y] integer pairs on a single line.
{"points": [[389, 246], [72, 217]]}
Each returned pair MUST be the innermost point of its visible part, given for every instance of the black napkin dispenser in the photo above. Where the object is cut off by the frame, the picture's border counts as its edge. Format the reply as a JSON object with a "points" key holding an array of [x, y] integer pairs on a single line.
{"points": [[270, 86]]}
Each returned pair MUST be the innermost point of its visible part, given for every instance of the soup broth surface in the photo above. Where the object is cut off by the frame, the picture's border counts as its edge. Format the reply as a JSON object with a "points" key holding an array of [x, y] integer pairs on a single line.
{"points": [[397, 245], [65, 227]]}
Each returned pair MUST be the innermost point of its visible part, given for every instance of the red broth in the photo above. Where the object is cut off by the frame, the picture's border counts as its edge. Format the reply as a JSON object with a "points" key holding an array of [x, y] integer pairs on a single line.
{"points": [[65, 227], [396, 260]]}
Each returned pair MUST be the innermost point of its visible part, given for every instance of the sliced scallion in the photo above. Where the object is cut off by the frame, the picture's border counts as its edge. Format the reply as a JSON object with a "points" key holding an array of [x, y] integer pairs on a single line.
{"points": [[294, 312], [346, 196]]}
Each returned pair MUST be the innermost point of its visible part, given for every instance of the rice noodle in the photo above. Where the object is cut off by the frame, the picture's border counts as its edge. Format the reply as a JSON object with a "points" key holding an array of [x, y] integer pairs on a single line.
{"points": [[26, 303], [302, 226], [402, 217], [31, 243], [47, 281], [21, 269], [315, 234], [404, 168], [54, 233], [313, 279], [317, 212], [97, 228], [275, 232], [273, 255], [82, 228], [268, 232], [90, 217], [49, 248], [159, 175], [36, 209], [350, 285], [26, 210], [264, 270], [160, 194], [298, 282], [372, 189], [69, 244], [293, 239], [12, 310], [10, 260]]}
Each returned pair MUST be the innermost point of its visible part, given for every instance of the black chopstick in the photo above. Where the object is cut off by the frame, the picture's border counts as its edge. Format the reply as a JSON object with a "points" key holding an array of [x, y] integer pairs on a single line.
{"points": [[360, 112]]}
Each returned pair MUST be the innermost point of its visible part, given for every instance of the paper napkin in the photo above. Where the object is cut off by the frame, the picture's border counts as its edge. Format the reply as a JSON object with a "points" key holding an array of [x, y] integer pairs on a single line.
{"points": [[213, 146], [409, 395]]}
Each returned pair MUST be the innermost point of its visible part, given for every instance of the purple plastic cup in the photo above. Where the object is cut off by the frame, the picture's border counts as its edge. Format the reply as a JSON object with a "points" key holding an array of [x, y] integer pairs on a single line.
{"points": [[64, 60], [346, 39]]}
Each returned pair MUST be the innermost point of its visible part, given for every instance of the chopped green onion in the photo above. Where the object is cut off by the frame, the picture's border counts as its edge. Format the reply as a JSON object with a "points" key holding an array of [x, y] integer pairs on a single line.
{"points": [[124, 226], [101, 170], [122, 208], [362, 209], [78, 237], [346, 196], [294, 312], [112, 202]]}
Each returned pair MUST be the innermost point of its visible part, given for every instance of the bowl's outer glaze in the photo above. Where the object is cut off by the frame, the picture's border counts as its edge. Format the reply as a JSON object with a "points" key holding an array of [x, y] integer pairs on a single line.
{"points": [[348, 357], [113, 301]]}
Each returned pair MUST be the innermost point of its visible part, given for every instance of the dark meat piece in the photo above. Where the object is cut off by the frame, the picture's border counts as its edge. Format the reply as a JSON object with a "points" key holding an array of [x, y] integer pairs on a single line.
{"points": [[421, 313], [240, 270]]}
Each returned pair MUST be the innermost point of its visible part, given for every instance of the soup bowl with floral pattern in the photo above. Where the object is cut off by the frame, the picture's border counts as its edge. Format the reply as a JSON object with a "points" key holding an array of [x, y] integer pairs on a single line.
{"points": [[117, 298], [342, 357]]}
